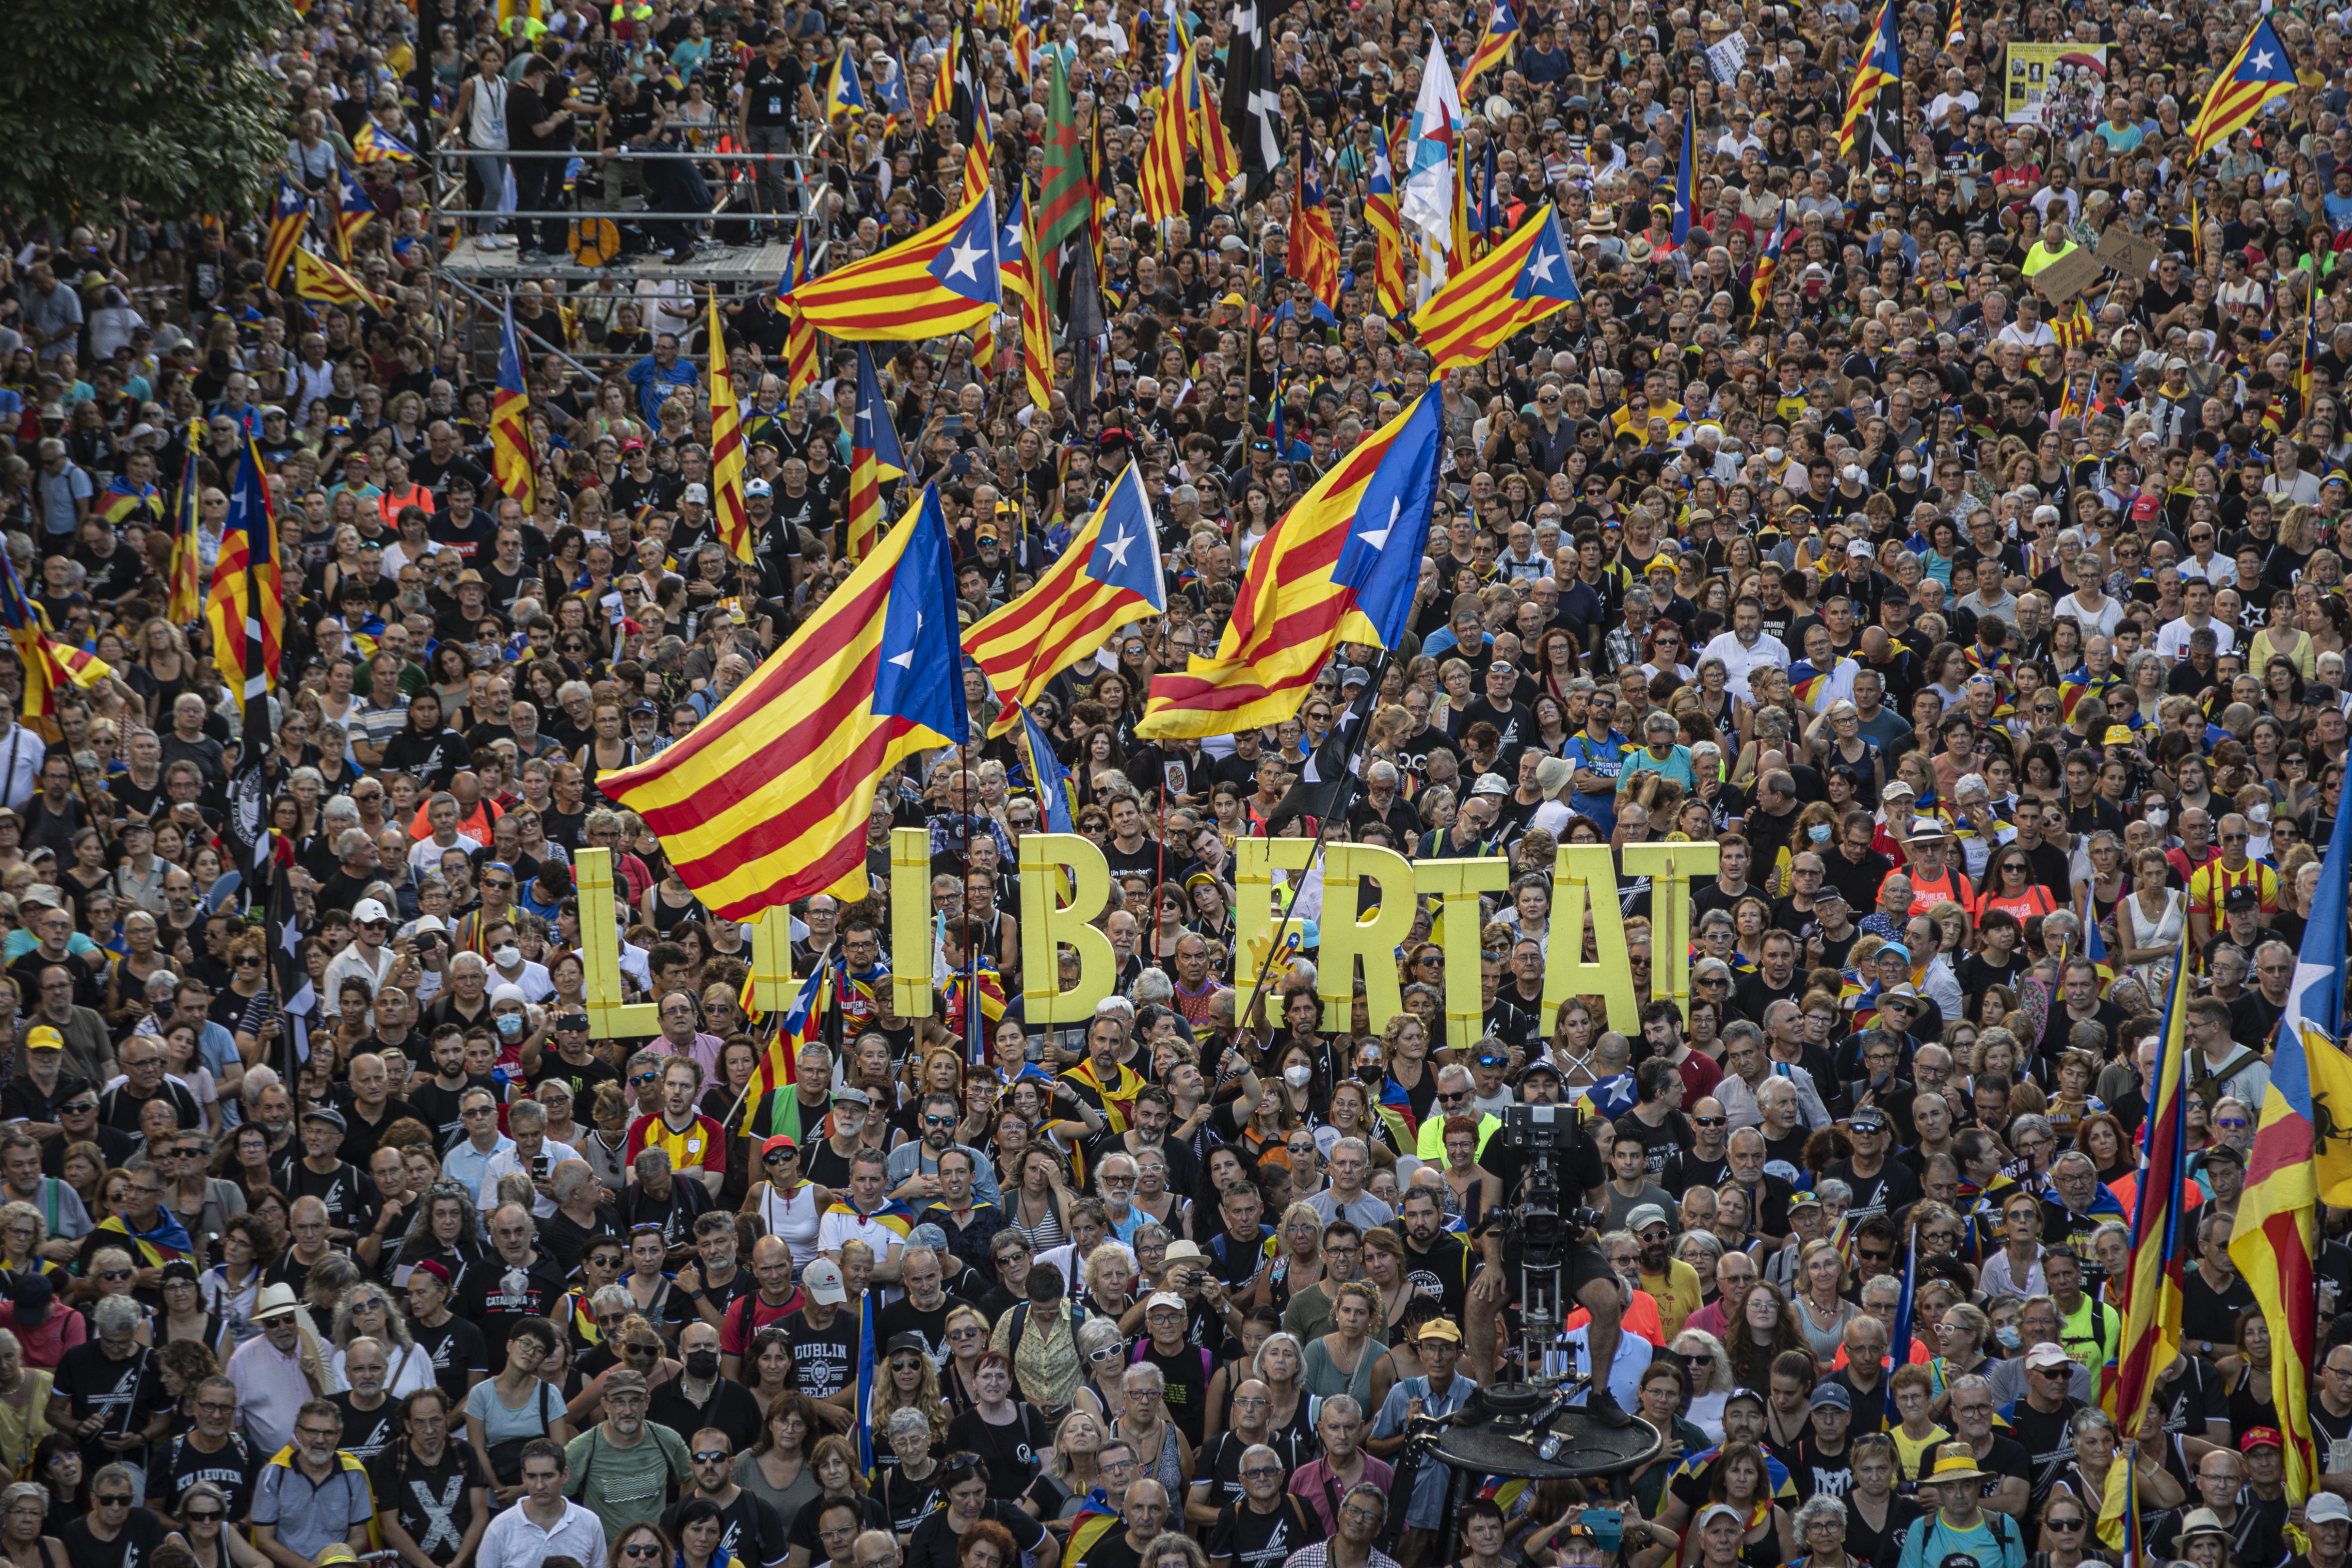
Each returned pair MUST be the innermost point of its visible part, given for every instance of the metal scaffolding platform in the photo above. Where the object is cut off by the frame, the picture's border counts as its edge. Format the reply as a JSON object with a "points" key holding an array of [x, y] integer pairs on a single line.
{"points": [[761, 265]]}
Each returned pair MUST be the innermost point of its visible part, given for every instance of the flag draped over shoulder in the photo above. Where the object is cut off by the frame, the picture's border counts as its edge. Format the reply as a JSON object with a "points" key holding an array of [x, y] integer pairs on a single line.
{"points": [[934, 283], [2161, 1230], [1511, 288], [2302, 1157], [1343, 563], [1108, 577], [2259, 72], [767, 800]]}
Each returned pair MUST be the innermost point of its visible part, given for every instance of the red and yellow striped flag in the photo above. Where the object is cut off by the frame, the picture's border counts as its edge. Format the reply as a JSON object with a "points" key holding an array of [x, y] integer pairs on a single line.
{"points": [[2260, 71], [767, 800], [1881, 68], [1172, 135], [1514, 286], [730, 512], [1339, 566], [2163, 1230], [933, 284], [1109, 577], [511, 465], [1028, 281]]}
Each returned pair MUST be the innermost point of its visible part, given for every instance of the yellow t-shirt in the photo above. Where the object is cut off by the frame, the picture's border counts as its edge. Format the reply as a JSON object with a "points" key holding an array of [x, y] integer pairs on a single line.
{"points": [[1677, 1295], [1914, 1456]]}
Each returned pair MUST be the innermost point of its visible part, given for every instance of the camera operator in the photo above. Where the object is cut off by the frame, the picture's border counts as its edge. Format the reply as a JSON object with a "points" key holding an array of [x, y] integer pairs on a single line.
{"points": [[1547, 1170]]}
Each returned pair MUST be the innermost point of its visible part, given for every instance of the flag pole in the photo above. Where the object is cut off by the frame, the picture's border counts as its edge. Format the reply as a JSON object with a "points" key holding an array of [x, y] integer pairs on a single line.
{"points": [[1341, 801]]}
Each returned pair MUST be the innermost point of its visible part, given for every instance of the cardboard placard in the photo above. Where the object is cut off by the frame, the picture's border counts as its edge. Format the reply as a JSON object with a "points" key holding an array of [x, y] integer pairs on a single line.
{"points": [[2127, 252], [2067, 277]]}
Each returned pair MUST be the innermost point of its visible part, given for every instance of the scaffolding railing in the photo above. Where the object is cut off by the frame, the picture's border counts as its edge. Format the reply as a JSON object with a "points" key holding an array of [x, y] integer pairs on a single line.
{"points": [[488, 289]]}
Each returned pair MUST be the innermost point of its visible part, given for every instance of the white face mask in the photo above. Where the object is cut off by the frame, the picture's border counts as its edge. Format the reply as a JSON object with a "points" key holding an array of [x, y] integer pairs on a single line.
{"points": [[1297, 1074], [1908, 473], [508, 956], [1773, 454]]}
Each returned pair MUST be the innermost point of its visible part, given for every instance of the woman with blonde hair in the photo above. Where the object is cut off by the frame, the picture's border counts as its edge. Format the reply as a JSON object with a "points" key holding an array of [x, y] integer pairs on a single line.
{"points": [[909, 1381], [1709, 1365], [1346, 1360], [1072, 1469], [1822, 1308]]}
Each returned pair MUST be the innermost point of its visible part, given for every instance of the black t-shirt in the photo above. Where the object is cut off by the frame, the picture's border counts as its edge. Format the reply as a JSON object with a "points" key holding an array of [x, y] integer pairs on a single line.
{"points": [[457, 1349], [349, 1192], [367, 1433], [802, 1532], [752, 1531], [1254, 1540], [1820, 1474], [772, 94], [908, 1501], [934, 1542], [582, 1078], [567, 1240], [1009, 1454], [435, 1503], [180, 1464], [2210, 1314], [128, 1393], [825, 1360], [1896, 1187], [903, 1317], [2048, 1444], [132, 1546]]}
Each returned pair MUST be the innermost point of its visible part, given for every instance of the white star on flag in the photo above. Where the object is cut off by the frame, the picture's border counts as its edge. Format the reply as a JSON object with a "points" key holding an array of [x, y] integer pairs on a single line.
{"points": [[1117, 549], [1541, 266], [906, 660], [967, 256]]}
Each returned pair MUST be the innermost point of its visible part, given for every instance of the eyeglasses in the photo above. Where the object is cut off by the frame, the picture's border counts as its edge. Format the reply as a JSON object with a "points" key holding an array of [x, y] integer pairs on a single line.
{"points": [[712, 1457], [209, 1516], [938, 1121], [1710, 1120], [645, 1550], [645, 1077], [114, 1499], [904, 1364], [1259, 1472], [116, 1273], [2056, 1524]]}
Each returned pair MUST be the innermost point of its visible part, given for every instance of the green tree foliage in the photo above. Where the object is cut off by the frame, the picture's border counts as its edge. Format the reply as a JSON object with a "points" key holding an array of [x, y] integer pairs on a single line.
{"points": [[163, 103]]}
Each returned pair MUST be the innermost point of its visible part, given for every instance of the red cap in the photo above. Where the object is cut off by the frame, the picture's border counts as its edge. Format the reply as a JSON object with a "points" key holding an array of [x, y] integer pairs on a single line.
{"points": [[2262, 1438], [439, 1271]]}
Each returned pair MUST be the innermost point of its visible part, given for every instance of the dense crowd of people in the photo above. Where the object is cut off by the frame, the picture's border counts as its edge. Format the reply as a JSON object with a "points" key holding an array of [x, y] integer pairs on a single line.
{"points": [[1996, 641]]}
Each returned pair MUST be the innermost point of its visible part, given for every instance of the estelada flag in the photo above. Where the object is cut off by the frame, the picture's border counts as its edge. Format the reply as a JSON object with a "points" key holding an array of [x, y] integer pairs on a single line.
{"points": [[1342, 563], [935, 283], [1108, 577], [1508, 289], [767, 800]]}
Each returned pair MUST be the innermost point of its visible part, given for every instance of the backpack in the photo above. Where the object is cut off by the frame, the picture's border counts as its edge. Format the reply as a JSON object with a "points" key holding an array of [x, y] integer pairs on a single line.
{"points": [[1021, 1322], [1930, 1523]]}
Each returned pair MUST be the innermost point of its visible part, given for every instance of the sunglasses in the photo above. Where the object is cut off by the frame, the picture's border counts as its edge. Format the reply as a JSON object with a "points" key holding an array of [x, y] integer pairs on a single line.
{"points": [[645, 1550]]}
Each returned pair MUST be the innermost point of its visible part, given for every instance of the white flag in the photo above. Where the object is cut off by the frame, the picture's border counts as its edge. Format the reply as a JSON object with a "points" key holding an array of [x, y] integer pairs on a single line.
{"points": [[1436, 136]]}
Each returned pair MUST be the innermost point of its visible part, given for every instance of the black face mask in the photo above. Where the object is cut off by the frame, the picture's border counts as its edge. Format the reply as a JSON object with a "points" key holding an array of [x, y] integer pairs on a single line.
{"points": [[702, 1363]]}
